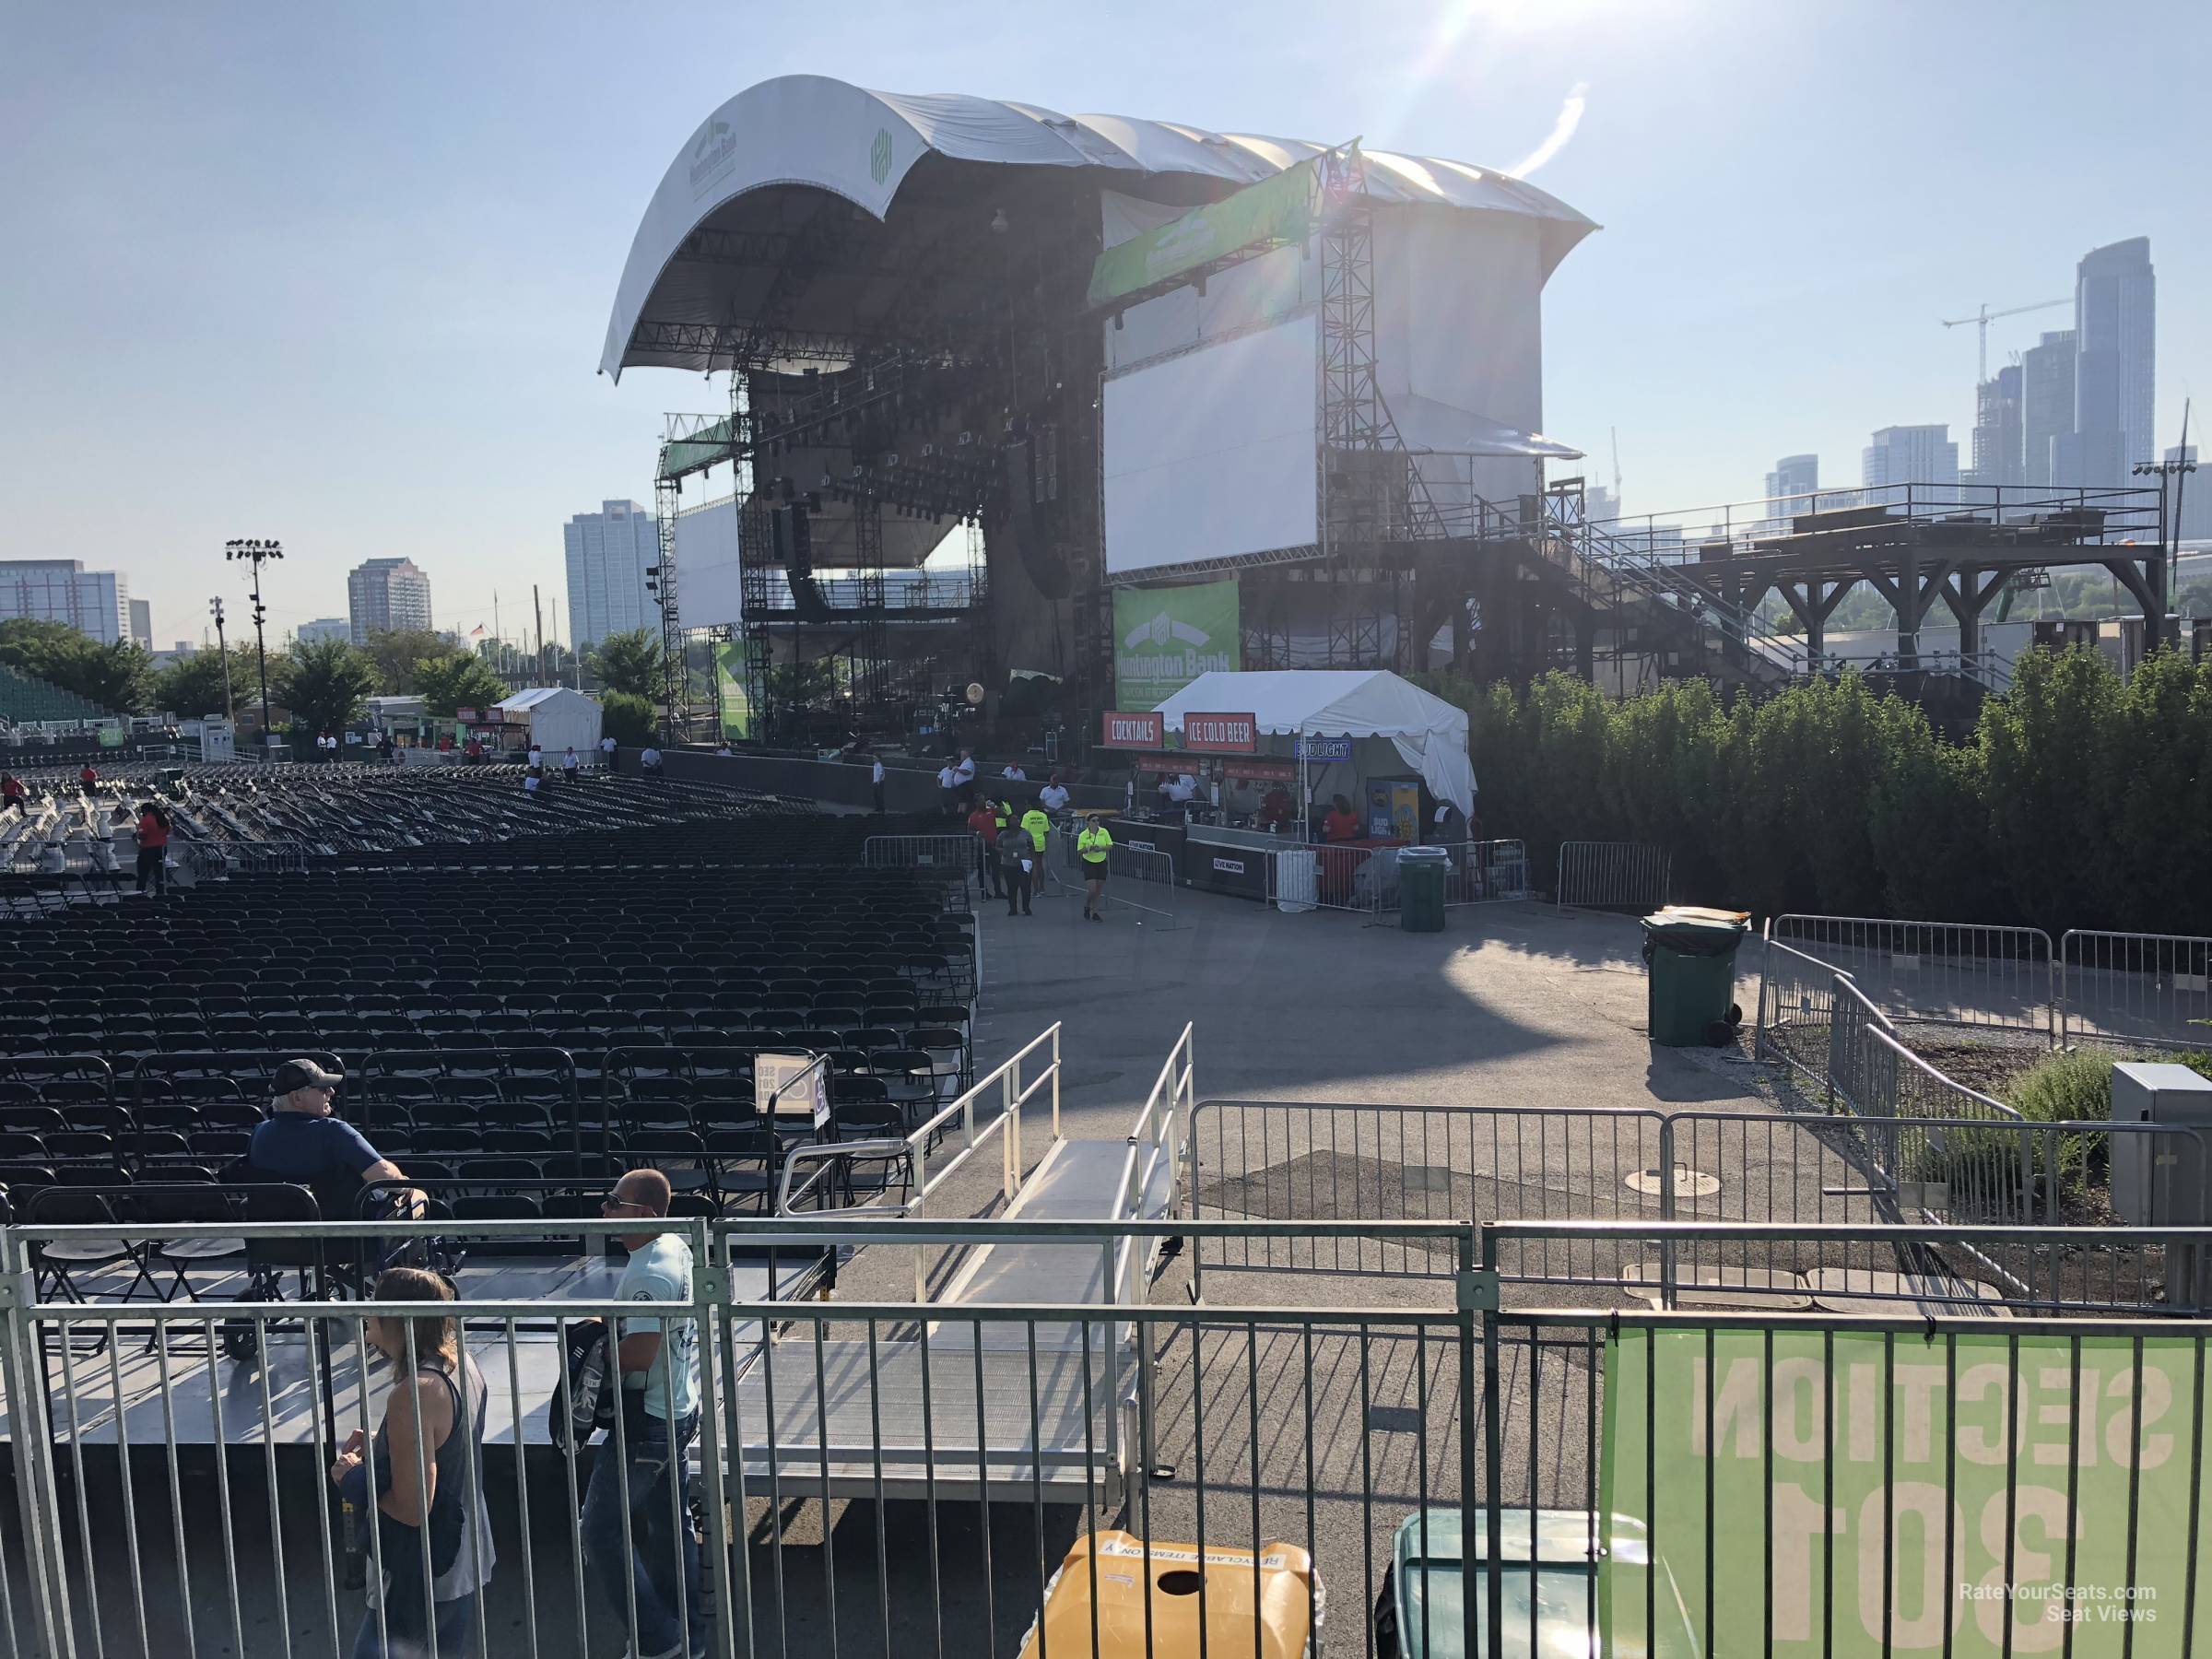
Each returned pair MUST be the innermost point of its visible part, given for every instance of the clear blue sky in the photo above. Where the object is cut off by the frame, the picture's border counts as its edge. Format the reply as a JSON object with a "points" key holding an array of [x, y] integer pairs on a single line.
{"points": [[340, 274]]}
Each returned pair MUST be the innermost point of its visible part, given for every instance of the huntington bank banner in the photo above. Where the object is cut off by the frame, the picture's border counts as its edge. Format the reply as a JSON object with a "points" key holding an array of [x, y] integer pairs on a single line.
{"points": [[1827, 1495], [1165, 638]]}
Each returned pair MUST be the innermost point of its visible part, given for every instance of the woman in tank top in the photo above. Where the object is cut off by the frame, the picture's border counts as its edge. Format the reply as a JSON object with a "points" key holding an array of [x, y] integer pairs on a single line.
{"points": [[426, 1468]]}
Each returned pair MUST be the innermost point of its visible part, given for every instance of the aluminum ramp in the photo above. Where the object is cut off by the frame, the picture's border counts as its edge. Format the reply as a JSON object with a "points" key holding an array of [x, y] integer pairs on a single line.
{"points": [[1050, 1405]]}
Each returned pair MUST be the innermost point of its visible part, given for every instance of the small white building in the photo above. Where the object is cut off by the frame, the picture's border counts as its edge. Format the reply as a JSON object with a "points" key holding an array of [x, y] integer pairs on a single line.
{"points": [[555, 719]]}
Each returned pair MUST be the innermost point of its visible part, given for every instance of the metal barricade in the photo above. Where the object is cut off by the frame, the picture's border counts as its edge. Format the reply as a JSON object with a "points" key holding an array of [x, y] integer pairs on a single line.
{"points": [[1936, 972], [1140, 880], [1614, 876], [953, 856], [2150, 990]]}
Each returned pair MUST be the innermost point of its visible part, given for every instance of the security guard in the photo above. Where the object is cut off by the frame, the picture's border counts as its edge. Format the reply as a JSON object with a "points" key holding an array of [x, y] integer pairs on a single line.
{"points": [[1091, 848], [1040, 828], [1018, 863]]}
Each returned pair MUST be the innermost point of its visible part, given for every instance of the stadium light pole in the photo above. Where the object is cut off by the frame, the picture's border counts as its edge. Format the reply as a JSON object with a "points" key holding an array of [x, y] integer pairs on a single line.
{"points": [[258, 553], [223, 651]]}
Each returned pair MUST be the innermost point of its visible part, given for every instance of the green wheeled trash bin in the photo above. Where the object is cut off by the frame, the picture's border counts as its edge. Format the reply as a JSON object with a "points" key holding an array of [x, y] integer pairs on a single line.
{"points": [[1689, 975], [1421, 872]]}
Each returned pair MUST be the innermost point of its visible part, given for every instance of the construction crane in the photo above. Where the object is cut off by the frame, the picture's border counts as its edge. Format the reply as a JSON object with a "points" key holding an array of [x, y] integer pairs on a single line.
{"points": [[1983, 317]]}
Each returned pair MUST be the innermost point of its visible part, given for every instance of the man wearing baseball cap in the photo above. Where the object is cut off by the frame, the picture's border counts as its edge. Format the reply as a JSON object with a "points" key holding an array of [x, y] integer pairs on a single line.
{"points": [[303, 1143]]}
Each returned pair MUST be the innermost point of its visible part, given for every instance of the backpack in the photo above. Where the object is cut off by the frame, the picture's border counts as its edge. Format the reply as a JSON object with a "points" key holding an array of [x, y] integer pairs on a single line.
{"points": [[583, 1399]]}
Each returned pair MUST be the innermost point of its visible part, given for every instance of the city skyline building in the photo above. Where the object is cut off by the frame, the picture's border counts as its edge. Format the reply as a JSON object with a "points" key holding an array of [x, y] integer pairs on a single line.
{"points": [[323, 628], [1999, 438], [2046, 405], [2115, 339], [608, 553], [386, 594], [1793, 475], [96, 603], [1909, 454], [142, 623]]}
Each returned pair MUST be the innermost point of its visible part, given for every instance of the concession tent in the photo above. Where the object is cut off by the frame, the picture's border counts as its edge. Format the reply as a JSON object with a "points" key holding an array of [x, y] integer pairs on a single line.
{"points": [[1428, 734]]}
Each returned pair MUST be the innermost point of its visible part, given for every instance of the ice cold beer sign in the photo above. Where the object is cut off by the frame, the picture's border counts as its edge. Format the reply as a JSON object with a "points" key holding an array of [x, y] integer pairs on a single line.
{"points": [[1905, 1494]]}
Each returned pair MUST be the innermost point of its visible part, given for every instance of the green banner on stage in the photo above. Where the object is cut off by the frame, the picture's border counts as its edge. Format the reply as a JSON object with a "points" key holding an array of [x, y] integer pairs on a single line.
{"points": [[1165, 638], [729, 690], [2059, 1470], [1280, 209]]}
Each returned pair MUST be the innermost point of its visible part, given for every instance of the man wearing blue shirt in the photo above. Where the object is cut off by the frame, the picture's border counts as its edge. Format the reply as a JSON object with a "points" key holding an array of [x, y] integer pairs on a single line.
{"points": [[303, 1143]]}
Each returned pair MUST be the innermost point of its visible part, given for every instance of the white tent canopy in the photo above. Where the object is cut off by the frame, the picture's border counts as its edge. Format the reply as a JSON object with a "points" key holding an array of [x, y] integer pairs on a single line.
{"points": [[1431, 735]]}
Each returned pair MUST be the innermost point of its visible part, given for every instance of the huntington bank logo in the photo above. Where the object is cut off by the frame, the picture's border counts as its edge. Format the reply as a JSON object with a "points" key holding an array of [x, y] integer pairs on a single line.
{"points": [[714, 155], [1167, 646], [879, 156]]}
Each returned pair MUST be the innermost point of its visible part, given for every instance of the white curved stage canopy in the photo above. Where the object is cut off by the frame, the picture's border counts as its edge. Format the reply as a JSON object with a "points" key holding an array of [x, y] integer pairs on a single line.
{"points": [[811, 132]]}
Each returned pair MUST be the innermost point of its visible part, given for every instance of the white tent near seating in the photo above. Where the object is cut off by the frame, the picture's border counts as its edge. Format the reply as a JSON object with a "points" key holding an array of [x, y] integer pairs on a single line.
{"points": [[1429, 735]]}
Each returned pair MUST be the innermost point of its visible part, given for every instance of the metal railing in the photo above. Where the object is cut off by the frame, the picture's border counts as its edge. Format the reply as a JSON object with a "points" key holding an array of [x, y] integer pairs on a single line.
{"points": [[1006, 1084], [953, 856], [1938, 972], [1281, 1162], [1614, 876], [877, 1476], [2150, 989]]}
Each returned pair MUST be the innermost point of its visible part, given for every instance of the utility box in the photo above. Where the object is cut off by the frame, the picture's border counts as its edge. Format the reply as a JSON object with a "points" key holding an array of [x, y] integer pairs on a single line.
{"points": [[2166, 1180]]}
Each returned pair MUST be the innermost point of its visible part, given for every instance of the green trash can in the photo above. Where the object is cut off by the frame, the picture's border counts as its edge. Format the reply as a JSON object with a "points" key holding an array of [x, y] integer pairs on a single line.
{"points": [[1689, 975], [1421, 888]]}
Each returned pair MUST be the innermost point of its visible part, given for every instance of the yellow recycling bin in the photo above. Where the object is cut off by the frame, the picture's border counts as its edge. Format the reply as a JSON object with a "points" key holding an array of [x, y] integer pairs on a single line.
{"points": [[1285, 1597]]}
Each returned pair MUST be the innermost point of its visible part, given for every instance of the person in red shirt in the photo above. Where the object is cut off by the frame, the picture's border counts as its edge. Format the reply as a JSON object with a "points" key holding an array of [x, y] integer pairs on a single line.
{"points": [[1341, 825], [153, 847], [87, 777], [13, 795], [984, 822]]}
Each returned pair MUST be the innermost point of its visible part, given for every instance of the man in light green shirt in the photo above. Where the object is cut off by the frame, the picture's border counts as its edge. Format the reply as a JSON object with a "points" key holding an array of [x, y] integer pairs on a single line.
{"points": [[658, 1359]]}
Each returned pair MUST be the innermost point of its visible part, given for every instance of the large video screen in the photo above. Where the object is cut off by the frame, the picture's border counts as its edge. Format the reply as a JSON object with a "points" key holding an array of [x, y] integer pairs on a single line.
{"points": [[1211, 455], [708, 590]]}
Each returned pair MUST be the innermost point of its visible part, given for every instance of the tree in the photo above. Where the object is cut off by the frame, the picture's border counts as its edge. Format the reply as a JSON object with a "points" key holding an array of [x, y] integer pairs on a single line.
{"points": [[635, 663], [193, 685], [115, 676], [324, 683], [458, 681], [398, 652], [627, 719]]}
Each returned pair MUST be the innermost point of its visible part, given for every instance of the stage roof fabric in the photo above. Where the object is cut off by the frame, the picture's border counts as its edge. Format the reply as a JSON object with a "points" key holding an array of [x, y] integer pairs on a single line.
{"points": [[808, 130], [1430, 735]]}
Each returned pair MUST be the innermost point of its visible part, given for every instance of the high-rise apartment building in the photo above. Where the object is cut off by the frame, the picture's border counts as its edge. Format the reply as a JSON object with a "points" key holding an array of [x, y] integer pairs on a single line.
{"points": [[2046, 405], [323, 628], [95, 603], [2115, 296], [1909, 454], [1794, 474], [608, 554], [2000, 454], [386, 594], [142, 623]]}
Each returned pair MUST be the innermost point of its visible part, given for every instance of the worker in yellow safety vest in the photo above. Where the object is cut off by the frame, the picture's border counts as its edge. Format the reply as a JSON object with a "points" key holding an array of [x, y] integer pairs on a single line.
{"points": [[1038, 826], [1091, 848]]}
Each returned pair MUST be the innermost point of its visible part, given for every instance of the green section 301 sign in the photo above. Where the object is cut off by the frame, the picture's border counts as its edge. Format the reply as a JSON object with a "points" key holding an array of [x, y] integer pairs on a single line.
{"points": [[1978, 1495], [1165, 638]]}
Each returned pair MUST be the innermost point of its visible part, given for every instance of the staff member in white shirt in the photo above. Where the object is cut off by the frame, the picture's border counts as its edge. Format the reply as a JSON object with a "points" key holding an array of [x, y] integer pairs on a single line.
{"points": [[606, 751], [875, 782], [964, 773], [1053, 797], [1013, 774], [948, 785]]}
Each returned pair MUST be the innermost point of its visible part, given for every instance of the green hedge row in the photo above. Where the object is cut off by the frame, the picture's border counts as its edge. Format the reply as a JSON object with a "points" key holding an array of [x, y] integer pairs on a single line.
{"points": [[2077, 802]]}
